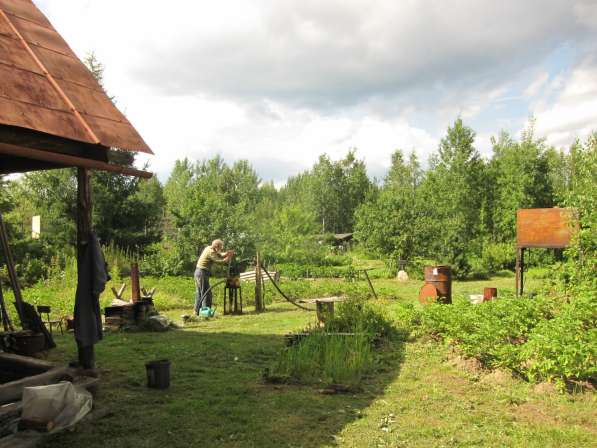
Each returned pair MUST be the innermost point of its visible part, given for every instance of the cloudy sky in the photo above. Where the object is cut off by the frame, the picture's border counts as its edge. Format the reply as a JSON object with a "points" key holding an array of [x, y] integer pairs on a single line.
{"points": [[280, 82]]}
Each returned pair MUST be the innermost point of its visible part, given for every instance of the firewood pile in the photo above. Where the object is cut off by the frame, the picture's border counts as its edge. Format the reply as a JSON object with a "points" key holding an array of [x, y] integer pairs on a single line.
{"points": [[125, 314]]}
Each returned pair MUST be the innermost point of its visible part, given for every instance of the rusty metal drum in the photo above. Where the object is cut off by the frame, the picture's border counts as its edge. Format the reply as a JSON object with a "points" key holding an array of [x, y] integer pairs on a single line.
{"points": [[441, 278], [489, 294]]}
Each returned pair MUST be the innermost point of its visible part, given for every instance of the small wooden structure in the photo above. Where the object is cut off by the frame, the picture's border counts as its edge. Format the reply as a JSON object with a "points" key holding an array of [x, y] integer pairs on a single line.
{"points": [[324, 307], [551, 228], [233, 296], [54, 114]]}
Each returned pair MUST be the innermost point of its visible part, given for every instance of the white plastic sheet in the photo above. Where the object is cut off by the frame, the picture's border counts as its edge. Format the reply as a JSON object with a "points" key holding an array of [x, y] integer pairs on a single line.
{"points": [[63, 404]]}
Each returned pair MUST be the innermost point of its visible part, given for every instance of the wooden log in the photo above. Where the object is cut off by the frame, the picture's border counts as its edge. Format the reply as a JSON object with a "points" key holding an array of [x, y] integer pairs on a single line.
{"points": [[26, 362], [13, 391]]}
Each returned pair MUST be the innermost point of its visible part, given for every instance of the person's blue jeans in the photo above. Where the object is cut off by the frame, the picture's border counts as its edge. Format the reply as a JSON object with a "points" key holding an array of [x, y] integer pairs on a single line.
{"points": [[203, 295]]}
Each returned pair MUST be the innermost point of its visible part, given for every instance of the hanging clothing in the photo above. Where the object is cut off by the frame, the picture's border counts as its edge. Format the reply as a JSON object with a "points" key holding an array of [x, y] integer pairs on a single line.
{"points": [[92, 279]]}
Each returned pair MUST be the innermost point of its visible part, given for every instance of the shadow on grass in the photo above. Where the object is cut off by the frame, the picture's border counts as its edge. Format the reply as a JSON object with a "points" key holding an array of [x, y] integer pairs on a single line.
{"points": [[216, 396]]}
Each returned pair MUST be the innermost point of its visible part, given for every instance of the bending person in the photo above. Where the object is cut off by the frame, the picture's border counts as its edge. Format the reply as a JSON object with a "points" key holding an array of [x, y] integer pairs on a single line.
{"points": [[210, 255]]}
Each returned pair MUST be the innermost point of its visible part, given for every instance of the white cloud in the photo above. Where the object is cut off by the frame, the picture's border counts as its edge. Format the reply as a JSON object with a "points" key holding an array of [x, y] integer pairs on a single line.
{"points": [[574, 112], [534, 88], [279, 83]]}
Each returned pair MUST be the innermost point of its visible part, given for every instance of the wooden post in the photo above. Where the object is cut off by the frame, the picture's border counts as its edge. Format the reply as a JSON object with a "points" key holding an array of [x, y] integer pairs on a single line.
{"points": [[522, 271], [136, 295], [370, 284], [86, 354], [258, 293], [519, 271]]}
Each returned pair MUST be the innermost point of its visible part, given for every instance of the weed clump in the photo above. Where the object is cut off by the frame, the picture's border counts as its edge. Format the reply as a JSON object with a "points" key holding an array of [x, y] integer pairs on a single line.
{"points": [[340, 353]]}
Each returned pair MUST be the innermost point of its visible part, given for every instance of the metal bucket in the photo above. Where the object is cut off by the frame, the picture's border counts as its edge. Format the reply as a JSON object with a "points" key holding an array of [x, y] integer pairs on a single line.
{"points": [[441, 278], [27, 343], [158, 374], [489, 294]]}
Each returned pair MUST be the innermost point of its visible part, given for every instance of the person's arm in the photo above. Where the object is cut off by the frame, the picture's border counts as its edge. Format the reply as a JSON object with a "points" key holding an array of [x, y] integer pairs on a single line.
{"points": [[223, 257]]}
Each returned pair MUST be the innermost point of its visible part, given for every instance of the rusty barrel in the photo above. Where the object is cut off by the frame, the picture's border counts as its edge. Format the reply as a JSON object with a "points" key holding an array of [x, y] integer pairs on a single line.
{"points": [[441, 278], [489, 294]]}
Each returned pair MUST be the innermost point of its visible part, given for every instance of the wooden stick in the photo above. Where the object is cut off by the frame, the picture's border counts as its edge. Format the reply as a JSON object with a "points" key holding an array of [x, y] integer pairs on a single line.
{"points": [[6, 323], [370, 284], [12, 273]]}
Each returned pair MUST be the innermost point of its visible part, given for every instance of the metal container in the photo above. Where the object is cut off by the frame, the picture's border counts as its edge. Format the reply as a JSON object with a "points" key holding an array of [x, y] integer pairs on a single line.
{"points": [[27, 343], [489, 294], [158, 374], [441, 278]]}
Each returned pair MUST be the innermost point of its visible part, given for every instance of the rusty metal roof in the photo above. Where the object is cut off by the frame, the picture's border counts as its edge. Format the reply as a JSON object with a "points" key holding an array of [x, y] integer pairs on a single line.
{"points": [[46, 88]]}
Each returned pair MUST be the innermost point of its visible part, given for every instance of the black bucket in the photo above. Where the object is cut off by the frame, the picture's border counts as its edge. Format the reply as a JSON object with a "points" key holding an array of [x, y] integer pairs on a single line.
{"points": [[158, 374]]}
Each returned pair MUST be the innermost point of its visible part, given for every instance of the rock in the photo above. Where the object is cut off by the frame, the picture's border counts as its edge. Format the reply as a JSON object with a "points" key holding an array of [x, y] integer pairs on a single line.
{"points": [[158, 323], [402, 276]]}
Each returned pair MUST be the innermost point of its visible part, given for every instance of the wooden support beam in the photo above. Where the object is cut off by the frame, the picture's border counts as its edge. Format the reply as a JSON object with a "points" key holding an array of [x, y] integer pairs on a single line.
{"points": [[69, 161], [86, 354]]}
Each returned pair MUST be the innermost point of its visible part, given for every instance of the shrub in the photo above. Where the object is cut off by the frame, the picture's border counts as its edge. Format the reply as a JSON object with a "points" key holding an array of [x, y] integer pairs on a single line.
{"points": [[564, 348], [358, 315]]}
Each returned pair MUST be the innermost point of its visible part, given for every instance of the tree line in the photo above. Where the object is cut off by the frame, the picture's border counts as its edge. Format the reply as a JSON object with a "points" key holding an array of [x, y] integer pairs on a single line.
{"points": [[460, 210]]}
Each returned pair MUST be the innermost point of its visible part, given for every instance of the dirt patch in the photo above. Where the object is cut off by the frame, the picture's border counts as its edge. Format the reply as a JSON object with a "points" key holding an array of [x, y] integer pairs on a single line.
{"points": [[534, 413], [469, 365], [497, 377], [545, 388]]}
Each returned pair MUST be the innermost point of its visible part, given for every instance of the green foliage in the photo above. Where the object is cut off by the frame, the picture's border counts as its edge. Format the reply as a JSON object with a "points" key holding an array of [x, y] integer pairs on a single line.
{"points": [[362, 316], [565, 347], [519, 177], [210, 200], [543, 338], [388, 222], [328, 359]]}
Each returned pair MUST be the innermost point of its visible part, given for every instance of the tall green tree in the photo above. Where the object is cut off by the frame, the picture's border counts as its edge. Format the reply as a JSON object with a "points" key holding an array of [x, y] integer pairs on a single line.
{"points": [[452, 194], [520, 175], [388, 223]]}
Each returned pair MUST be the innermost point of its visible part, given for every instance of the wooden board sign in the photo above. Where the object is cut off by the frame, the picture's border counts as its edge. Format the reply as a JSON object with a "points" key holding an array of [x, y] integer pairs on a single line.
{"points": [[546, 227]]}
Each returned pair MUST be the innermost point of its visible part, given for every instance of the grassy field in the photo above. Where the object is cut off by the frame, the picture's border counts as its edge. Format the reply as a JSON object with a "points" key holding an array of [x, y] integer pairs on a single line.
{"points": [[418, 396]]}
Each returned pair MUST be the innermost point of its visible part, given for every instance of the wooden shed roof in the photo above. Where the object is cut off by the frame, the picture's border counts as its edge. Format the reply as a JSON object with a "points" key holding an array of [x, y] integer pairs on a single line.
{"points": [[46, 89]]}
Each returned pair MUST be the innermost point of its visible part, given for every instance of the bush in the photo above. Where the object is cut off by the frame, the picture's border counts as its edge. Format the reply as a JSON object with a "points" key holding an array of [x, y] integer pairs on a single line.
{"points": [[544, 338], [564, 348], [358, 315]]}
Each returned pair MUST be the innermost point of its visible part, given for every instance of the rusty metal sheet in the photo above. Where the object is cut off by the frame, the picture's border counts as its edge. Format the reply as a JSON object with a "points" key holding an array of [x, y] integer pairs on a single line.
{"points": [[545, 227], [91, 102], [66, 68], [36, 118], [43, 36], [31, 88], [24, 9], [16, 56], [118, 135], [5, 30], [67, 101]]}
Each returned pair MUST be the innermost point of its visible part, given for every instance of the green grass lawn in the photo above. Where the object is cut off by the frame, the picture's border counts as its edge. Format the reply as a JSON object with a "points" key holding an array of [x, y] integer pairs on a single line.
{"points": [[415, 397]]}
